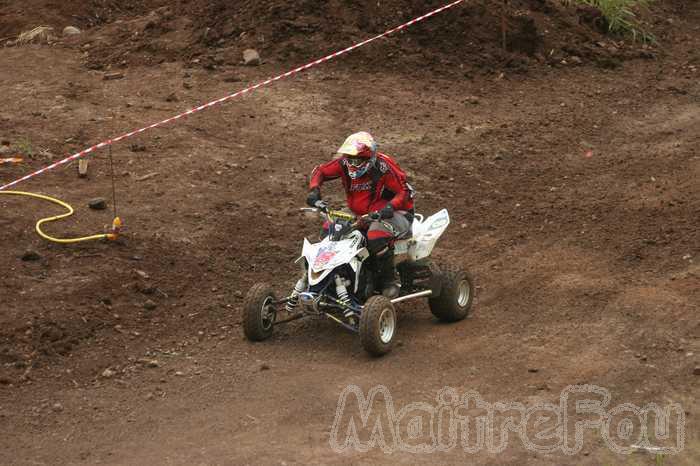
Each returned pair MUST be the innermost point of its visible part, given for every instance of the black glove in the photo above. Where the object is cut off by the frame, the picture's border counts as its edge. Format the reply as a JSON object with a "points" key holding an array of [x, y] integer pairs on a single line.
{"points": [[387, 211], [313, 197]]}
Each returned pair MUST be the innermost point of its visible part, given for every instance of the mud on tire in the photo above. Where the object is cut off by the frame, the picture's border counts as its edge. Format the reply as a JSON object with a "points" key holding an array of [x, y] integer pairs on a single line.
{"points": [[259, 312], [456, 295], [378, 326]]}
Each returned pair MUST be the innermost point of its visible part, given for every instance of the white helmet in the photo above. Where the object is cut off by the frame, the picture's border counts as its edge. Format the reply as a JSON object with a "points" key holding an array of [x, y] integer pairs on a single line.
{"points": [[359, 152]]}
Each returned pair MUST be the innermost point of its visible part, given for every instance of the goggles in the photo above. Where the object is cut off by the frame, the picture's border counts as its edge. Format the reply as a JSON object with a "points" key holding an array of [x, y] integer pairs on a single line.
{"points": [[356, 161]]}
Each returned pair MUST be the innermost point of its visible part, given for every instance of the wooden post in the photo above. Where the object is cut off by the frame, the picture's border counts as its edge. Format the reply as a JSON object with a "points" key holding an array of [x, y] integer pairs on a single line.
{"points": [[82, 168]]}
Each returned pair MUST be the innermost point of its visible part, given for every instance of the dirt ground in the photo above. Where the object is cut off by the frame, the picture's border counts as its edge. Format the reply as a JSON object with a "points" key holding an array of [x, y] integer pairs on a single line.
{"points": [[570, 168]]}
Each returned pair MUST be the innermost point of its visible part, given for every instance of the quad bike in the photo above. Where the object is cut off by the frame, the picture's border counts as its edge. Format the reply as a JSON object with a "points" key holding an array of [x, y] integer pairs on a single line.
{"points": [[338, 282]]}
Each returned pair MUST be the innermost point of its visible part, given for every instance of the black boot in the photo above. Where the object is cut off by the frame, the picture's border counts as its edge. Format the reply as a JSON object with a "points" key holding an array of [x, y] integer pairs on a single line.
{"points": [[386, 274]]}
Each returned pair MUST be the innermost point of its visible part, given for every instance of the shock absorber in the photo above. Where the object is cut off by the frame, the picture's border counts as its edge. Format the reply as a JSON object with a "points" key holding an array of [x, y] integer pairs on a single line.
{"points": [[293, 300], [341, 292]]}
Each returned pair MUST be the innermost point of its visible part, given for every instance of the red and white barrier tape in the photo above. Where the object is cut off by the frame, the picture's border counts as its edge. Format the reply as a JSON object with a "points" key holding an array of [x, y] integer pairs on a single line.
{"points": [[228, 97]]}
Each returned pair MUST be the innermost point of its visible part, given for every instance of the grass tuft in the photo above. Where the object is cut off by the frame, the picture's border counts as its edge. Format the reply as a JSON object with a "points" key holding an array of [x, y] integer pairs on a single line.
{"points": [[40, 34], [620, 16]]}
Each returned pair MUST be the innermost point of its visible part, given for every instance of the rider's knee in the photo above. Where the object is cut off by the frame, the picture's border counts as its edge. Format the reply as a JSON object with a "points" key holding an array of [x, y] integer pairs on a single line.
{"points": [[378, 246]]}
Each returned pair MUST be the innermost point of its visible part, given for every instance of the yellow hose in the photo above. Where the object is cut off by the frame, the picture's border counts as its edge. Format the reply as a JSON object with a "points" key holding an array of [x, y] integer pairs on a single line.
{"points": [[116, 224]]}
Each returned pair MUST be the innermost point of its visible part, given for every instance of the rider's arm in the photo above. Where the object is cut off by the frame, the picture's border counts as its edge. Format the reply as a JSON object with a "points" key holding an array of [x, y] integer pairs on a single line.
{"points": [[399, 187], [326, 172]]}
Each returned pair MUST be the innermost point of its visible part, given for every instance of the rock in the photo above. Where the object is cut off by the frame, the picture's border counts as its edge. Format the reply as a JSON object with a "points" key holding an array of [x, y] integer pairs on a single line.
{"points": [[136, 147], [113, 76], [5, 381], [147, 290], [231, 78], [150, 396], [187, 85], [5, 150], [696, 371], [108, 373], [71, 31], [251, 57], [52, 334], [575, 60], [31, 256], [473, 100], [98, 203], [264, 367], [533, 370], [142, 274], [57, 407], [172, 97], [152, 363], [149, 305]]}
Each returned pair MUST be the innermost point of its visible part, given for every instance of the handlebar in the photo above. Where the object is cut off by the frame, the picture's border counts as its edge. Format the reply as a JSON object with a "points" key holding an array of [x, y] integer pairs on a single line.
{"points": [[332, 214]]}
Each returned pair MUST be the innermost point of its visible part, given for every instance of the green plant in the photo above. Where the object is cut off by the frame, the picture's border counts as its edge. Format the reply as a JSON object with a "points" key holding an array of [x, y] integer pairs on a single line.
{"points": [[620, 16], [25, 147], [42, 34]]}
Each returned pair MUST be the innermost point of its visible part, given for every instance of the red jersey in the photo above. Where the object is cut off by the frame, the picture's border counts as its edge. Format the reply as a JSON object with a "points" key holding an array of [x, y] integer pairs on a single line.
{"points": [[383, 183]]}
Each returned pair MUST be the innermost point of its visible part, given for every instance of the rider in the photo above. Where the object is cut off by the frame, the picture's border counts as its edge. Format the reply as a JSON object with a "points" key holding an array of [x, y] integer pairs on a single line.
{"points": [[374, 184]]}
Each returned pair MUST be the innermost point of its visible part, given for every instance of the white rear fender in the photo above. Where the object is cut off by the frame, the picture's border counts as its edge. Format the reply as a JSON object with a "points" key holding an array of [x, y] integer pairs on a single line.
{"points": [[426, 234]]}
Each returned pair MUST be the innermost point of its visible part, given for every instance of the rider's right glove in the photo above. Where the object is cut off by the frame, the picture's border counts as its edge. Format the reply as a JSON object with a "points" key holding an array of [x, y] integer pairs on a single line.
{"points": [[374, 216], [387, 211], [313, 197]]}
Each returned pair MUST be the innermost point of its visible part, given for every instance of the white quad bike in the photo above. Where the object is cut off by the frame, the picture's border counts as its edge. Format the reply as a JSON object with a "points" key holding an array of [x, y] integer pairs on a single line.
{"points": [[337, 284]]}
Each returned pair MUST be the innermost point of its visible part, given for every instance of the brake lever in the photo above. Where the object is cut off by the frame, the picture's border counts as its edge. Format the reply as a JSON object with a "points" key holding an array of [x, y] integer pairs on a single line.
{"points": [[361, 221], [322, 206]]}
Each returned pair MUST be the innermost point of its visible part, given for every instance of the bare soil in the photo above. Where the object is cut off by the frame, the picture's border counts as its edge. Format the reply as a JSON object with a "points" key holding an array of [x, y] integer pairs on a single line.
{"points": [[569, 164]]}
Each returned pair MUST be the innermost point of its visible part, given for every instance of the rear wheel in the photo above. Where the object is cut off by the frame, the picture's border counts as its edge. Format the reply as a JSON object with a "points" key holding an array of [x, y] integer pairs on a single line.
{"points": [[378, 326], [456, 294], [259, 312]]}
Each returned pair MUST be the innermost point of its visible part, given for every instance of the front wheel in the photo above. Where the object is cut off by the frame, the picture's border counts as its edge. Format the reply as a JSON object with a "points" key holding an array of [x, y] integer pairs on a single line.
{"points": [[378, 326], [456, 294], [259, 312]]}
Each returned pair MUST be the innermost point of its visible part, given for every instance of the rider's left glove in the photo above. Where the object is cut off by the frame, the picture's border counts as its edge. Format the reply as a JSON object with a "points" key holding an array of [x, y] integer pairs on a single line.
{"points": [[313, 197]]}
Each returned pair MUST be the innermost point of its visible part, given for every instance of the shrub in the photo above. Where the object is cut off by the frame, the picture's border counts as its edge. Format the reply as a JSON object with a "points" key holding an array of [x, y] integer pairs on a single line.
{"points": [[620, 16]]}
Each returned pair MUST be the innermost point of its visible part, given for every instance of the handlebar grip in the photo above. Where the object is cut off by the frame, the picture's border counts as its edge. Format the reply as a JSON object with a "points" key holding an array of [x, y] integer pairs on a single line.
{"points": [[321, 205], [341, 215]]}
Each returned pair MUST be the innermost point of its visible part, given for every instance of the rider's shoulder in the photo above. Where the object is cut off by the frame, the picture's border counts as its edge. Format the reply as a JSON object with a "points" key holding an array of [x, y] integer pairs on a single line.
{"points": [[385, 163]]}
